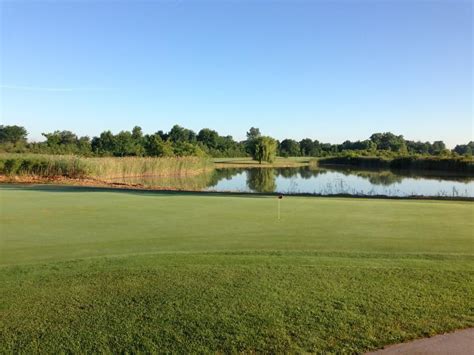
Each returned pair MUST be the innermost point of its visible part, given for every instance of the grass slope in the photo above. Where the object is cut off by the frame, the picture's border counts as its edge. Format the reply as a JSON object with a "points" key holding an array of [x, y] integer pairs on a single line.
{"points": [[118, 271]]}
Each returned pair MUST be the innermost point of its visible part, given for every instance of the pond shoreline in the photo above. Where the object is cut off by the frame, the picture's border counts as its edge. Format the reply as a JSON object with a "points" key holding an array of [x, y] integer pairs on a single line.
{"points": [[74, 184]]}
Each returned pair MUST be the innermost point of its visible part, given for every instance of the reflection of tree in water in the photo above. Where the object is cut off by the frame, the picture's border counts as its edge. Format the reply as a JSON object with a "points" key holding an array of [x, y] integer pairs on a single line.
{"points": [[307, 172], [286, 172], [392, 176], [385, 178], [375, 177], [221, 174], [261, 180]]}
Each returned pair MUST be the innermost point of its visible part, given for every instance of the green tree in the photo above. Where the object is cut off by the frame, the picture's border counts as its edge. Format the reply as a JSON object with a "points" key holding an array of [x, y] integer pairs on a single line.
{"points": [[252, 135], [389, 141], [289, 148], [12, 134], [265, 149], [437, 147], [179, 134], [104, 144], [124, 144], [60, 138], [183, 149], [465, 149], [138, 141], [157, 147], [306, 147], [84, 145], [208, 137]]}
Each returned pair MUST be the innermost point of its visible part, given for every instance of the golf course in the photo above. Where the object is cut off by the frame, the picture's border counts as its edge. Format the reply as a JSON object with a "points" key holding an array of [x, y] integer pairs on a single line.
{"points": [[110, 271]]}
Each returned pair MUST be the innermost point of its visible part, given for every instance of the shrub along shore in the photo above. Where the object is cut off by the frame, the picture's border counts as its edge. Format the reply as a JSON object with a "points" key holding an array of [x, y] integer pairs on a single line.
{"points": [[458, 164]]}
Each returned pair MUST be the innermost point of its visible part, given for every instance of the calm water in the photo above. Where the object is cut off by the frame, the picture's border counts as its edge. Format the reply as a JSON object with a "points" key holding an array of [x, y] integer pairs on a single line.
{"points": [[322, 181]]}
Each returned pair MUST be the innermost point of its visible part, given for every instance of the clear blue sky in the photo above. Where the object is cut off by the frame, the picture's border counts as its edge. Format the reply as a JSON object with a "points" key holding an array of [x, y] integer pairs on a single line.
{"points": [[328, 70]]}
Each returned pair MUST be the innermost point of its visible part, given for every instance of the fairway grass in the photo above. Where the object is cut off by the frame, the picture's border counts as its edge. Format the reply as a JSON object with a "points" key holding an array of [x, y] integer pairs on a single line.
{"points": [[86, 270]]}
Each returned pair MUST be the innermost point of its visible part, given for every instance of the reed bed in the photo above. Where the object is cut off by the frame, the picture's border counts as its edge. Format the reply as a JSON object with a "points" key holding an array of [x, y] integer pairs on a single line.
{"points": [[50, 166], [138, 166], [43, 165]]}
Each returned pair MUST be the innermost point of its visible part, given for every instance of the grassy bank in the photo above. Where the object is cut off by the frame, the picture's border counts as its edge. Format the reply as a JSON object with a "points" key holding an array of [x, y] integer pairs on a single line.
{"points": [[201, 273], [247, 162], [461, 165], [99, 168]]}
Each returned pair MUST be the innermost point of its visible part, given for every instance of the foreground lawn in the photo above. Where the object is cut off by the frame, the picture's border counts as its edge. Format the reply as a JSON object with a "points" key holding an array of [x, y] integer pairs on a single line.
{"points": [[84, 270]]}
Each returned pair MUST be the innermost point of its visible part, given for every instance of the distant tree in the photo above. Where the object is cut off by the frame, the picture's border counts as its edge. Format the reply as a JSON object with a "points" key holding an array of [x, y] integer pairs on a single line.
{"points": [[137, 135], [60, 138], [138, 141], [226, 143], [367, 145], [180, 134], [163, 136], [347, 145], [12, 134], [105, 144], [389, 141], [208, 137], [418, 147], [306, 147], [265, 149], [289, 148], [155, 146], [316, 151], [253, 133], [465, 149], [437, 147], [84, 145], [326, 147], [187, 149], [124, 144]]}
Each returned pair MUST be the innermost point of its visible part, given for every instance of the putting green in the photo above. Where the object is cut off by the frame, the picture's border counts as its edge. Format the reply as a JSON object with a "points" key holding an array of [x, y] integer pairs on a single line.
{"points": [[91, 270]]}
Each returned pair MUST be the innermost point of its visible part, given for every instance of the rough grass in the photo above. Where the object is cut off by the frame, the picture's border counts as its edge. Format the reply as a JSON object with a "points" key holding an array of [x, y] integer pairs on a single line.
{"points": [[100, 168], [89, 271]]}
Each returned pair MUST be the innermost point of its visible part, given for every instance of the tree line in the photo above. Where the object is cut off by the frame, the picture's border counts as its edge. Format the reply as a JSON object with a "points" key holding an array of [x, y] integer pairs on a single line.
{"points": [[180, 141]]}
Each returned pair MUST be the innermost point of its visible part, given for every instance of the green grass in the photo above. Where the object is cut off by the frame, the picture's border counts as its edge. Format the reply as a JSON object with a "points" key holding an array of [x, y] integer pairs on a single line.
{"points": [[100, 271]]}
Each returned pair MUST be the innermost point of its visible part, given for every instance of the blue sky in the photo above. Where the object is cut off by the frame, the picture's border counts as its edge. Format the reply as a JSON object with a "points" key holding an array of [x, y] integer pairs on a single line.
{"points": [[328, 70]]}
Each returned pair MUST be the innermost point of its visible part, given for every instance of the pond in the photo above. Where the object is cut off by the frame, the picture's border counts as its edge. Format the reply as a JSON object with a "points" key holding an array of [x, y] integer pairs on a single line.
{"points": [[309, 180]]}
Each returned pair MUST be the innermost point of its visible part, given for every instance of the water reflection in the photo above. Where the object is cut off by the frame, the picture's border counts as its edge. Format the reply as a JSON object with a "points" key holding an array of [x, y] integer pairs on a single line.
{"points": [[342, 181], [261, 180], [320, 181]]}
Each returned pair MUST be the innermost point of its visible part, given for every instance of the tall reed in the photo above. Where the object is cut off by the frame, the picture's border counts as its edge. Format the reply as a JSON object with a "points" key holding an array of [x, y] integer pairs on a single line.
{"points": [[100, 168], [138, 166]]}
